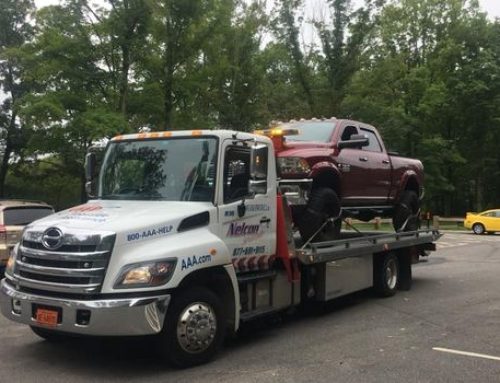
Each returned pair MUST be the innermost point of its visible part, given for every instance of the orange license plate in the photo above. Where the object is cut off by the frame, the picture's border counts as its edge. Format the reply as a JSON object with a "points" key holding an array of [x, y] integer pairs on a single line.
{"points": [[47, 317]]}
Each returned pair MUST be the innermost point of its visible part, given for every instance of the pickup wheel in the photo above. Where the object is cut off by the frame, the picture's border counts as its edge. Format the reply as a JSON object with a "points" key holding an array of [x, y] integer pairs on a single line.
{"points": [[194, 328], [405, 217], [323, 204], [386, 274]]}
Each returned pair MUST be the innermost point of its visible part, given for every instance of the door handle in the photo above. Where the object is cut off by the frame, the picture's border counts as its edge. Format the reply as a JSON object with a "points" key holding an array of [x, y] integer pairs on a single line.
{"points": [[363, 159], [265, 220], [387, 162]]}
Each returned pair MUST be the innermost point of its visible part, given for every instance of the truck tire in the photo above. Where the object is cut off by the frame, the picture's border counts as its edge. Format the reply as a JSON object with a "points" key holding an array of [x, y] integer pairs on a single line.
{"points": [[323, 204], [194, 328], [405, 216], [478, 228], [386, 274], [51, 335]]}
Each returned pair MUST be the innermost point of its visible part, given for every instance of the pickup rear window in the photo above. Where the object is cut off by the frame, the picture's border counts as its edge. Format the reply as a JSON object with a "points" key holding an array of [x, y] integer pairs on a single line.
{"points": [[319, 131], [24, 215]]}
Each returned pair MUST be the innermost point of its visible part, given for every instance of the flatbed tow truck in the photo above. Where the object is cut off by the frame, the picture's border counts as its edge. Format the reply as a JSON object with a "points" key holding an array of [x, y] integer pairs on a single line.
{"points": [[189, 234]]}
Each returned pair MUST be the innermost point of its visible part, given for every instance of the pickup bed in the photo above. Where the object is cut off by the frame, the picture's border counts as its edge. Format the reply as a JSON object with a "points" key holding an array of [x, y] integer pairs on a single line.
{"points": [[333, 168]]}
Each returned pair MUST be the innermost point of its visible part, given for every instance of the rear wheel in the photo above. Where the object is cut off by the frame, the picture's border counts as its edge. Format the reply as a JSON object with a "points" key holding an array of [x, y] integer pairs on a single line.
{"points": [[323, 204], [405, 217], [386, 274], [478, 228], [194, 328]]}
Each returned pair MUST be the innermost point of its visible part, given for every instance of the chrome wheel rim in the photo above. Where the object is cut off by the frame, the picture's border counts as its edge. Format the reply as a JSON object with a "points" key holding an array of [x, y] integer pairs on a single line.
{"points": [[477, 229], [197, 327], [391, 274]]}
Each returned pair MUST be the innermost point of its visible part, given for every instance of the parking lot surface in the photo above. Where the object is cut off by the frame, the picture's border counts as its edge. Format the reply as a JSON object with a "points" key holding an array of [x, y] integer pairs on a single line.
{"points": [[446, 329]]}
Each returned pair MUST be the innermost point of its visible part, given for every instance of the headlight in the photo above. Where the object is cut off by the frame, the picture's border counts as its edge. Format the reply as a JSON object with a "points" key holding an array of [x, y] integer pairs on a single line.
{"points": [[293, 166], [148, 274]]}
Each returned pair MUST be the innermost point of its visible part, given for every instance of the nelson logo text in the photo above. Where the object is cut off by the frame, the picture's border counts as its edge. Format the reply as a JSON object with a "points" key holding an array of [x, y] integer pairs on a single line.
{"points": [[241, 229]]}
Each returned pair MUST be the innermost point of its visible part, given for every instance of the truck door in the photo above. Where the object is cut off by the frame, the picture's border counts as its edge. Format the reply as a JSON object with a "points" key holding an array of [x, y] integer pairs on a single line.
{"points": [[248, 220], [350, 163], [377, 167], [366, 171]]}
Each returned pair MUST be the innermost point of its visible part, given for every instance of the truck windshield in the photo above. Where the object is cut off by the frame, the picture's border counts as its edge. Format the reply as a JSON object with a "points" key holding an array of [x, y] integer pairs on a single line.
{"points": [[174, 169], [319, 131]]}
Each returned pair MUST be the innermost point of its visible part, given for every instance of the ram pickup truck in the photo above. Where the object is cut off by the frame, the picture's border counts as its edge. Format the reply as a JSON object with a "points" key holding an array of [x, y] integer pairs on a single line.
{"points": [[341, 168]]}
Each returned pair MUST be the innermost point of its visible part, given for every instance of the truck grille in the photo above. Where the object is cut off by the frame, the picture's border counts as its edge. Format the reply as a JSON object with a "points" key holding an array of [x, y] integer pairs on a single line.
{"points": [[72, 268]]}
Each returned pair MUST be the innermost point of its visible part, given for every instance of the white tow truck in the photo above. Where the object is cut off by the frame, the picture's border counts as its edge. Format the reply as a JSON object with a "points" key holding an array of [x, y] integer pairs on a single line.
{"points": [[187, 236]]}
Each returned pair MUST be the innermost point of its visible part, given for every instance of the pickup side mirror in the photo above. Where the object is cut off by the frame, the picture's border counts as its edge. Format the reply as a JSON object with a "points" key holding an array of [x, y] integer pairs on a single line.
{"points": [[355, 141], [258, 169], [90, 173]]}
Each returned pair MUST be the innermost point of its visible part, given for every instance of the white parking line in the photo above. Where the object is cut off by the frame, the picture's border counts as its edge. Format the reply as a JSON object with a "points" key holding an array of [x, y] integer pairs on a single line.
{"points": [[466, 353]]}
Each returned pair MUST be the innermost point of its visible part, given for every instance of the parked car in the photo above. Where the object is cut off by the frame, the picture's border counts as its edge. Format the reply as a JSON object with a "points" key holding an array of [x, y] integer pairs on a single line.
{"points": [[14, 215], [486, 222]]}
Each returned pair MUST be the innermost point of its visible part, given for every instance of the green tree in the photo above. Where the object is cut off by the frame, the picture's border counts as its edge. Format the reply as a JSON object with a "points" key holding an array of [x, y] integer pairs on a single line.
{"points": [[15, 30], [71, 106]]}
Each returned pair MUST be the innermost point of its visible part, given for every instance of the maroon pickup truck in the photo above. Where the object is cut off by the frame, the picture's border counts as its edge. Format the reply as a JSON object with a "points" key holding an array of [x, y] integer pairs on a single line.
{"points": [[332, 168]]}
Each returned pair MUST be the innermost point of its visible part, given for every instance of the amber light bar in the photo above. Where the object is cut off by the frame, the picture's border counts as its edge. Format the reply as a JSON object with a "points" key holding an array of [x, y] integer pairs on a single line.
{"points": [[277, 132]]}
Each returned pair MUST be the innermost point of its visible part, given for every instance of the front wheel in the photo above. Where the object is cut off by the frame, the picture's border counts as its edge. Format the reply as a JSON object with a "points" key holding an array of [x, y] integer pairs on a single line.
{"points": [[194, 328], [323, 204], [405, 217], [478, 228]]}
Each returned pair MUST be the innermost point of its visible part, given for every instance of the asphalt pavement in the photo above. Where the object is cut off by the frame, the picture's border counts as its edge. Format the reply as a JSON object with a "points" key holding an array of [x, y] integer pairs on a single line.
{"points": [[446, 329]]}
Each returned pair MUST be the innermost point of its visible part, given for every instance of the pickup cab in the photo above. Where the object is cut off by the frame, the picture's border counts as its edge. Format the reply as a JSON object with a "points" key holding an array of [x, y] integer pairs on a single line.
{"points": [[333, 168]]}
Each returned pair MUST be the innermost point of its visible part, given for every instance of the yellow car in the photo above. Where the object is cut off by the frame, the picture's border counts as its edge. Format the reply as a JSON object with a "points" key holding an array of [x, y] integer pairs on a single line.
{"points": [[486, 222]]}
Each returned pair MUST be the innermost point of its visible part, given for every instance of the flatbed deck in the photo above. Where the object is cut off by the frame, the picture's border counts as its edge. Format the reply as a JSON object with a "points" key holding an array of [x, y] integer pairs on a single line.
{"points": [[358, 244]]}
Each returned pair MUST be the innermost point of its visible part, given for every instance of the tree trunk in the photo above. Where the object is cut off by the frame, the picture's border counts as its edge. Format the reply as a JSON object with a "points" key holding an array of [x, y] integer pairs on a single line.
{"points": [[168, 81], [124, 80], [4, 167]]}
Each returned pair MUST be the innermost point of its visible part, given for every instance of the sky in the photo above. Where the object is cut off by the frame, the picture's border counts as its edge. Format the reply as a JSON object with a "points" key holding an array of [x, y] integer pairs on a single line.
{"points": [[492, 7]]}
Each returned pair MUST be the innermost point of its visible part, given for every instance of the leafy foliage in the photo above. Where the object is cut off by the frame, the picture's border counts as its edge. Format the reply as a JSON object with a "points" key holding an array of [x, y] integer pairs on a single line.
{"points": [[425, 72]]}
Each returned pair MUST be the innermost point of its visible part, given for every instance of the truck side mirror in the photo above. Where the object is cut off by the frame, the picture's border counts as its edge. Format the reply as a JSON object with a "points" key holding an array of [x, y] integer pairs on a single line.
{"points": [[90, 166], [355, 141], [258, 169], [90, 173]]}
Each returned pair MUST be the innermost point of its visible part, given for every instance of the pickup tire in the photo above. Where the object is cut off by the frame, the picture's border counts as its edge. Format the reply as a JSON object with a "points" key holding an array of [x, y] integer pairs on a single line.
{"points": [[194, 328], [386, 274], [323, 204], [405, 216]]}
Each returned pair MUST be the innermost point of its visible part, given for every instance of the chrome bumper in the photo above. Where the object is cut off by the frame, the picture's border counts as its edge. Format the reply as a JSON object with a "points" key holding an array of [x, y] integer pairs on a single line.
{"points": [[113, 317]]}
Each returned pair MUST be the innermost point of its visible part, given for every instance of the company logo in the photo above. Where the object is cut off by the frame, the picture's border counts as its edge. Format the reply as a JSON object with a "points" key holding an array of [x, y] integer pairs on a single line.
{"points": [[194, 261], [241, 229], [52, 238]]}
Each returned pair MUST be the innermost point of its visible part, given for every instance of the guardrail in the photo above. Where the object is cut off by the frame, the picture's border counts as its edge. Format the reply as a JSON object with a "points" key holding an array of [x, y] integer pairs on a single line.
{"points": [[437, 222]]}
